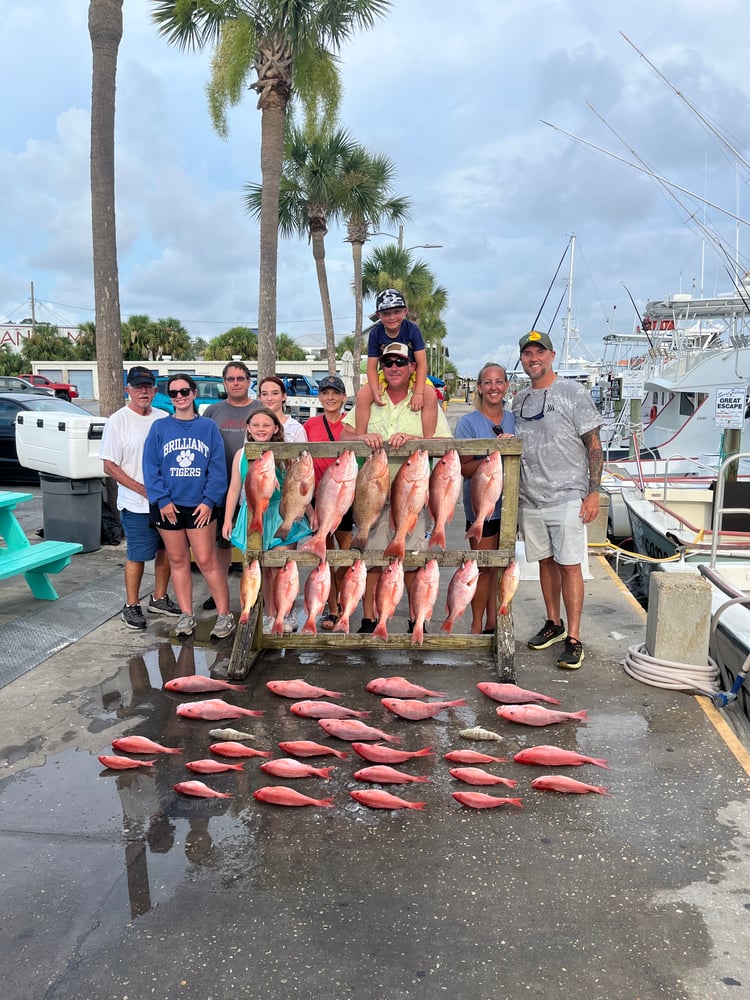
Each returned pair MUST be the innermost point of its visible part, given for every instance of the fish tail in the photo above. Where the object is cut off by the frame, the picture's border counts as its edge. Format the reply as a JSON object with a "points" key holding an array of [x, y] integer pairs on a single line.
{"points": [[475, 531], [579, 715], [416, 805], [515, 802], [244, 618], [309, 626], [325, 772], [282, 532], [601, 789], [325, 802], [600, 762], [381, 630], [437, 539], [447, 625], [417, 636], [278, 627], [315, 544], [504, 609], [395, 547], [359, 542]]}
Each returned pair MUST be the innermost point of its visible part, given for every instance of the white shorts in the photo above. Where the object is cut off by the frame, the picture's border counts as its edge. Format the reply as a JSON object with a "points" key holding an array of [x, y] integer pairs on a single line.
{"points": [[554, 531]]}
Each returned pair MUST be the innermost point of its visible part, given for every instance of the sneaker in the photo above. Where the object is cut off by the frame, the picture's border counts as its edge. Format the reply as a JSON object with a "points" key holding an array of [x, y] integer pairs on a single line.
{"points": [[164, 606], [548, 635], [367, 627], [209, 604], [185, 626], [572, 658], [290, 622], [224, 626], [133, 616]]}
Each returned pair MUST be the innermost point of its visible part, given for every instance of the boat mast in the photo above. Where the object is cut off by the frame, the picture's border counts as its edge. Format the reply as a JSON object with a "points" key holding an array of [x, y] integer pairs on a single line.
{"points": [[569, 311]]}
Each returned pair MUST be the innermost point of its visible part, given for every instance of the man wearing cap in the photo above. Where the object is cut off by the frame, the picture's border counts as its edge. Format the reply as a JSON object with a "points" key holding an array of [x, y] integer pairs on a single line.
{"points": [[561, 471], [121, 451], [393, 326], [231, 415], [327, 426], [396, 423]]}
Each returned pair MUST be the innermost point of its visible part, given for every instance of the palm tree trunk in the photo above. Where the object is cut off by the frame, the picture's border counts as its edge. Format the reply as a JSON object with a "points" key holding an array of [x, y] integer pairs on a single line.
{"points": [[105, 31], [357, 352], [318, 241]]}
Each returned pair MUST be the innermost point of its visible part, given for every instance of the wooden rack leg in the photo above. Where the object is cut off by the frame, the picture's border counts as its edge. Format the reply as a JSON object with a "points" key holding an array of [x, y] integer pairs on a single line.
{"points": [[247, 644]]}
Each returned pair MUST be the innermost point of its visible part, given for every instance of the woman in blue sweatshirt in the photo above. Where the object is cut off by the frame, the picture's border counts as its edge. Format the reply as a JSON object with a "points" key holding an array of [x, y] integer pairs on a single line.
{"points": [[185, 474]]}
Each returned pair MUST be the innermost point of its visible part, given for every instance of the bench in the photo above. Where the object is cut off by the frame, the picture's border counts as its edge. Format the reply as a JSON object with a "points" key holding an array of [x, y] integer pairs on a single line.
{"points": [[34, 561]]}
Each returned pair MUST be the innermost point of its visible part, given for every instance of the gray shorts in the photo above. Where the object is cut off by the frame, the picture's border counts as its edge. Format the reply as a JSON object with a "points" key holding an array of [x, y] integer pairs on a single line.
{"points": [[554, 531]]}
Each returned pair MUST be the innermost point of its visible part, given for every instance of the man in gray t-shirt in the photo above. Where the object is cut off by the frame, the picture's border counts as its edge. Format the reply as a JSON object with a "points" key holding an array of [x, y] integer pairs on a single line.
{"points": [[561, 471], [231, 416]]}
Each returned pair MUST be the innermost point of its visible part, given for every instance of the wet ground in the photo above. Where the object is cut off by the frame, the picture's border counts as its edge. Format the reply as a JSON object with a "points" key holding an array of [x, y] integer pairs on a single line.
{"points": [[115, 886]]}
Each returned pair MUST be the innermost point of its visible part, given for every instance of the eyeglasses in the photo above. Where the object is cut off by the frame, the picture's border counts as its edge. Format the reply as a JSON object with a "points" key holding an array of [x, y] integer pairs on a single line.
{"points": [[174, 393], [236, 378], [537, 416], [390, 362]]}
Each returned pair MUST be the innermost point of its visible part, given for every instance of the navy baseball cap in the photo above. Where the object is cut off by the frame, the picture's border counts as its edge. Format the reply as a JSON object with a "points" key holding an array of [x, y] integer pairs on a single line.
{"points": [[332, 382], [141, 376]]}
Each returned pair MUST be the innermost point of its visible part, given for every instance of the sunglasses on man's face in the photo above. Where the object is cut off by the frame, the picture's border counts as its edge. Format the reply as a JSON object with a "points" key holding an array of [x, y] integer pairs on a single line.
{"points": [[390, 362], [174, 393]]}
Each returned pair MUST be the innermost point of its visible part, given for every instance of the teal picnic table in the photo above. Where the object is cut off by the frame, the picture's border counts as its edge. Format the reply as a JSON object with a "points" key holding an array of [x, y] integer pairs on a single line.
{"points": [[18, 555]]}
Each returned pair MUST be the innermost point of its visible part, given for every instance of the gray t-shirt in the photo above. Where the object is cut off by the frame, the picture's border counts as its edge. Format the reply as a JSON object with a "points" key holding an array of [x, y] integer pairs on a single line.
{"points": [[554, 461], [232, 422]]}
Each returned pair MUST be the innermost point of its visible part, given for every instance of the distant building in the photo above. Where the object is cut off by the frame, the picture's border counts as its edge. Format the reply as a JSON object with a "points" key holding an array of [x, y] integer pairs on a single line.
{"points": [[12, 335]]}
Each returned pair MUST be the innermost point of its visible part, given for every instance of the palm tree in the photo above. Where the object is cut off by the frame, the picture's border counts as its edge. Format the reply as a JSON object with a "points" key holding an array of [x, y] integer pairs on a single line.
{"points": [[46, 344], [290, 46], [105, 31], [312, 194], [368, 181], [239, 340]]}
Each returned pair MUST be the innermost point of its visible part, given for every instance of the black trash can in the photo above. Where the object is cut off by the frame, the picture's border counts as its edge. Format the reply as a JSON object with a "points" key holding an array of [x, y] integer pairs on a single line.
{"points": [[72, 510]]}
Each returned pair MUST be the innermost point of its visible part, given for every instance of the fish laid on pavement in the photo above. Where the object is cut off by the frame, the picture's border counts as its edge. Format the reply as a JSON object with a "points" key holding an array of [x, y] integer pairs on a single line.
{"points": [[409, 494], [123, 763], [472, 757], [535, 715], [325, 710], [378, 754], [461, 589], [382, 774], [213, 708], [197, 684], [512, 694], [333, 499], [317, 589], [353, 729], [376, 798], [260, 482], [480, 800], [561, 783], [388, 592], [413, 709], [445, 488], [299, 688], [549, 756], [350, 593], [229, 748], [285, 588], [288, 767], [400, 687], [230, 734], [209, 766], [141, 744], [423, 593], [279, 795], [199, 790], [486, 487], [308, 748], [509, 585], [478, 776], [478, 733], [250, 584], [370, 494], [296, 492]]}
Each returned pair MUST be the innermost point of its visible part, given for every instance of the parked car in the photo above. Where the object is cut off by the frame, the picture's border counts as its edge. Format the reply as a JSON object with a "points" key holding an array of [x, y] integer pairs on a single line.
{"points": [[10, 405], [12, 383], [63, 390], [211, 389]]}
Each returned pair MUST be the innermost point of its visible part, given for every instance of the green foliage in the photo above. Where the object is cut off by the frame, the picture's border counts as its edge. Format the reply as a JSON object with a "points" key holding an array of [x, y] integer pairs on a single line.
{"points": [[85, 348], [10, 362], [287, 349], [345, 344], [144, 339], [46, 344], [239, 340]]}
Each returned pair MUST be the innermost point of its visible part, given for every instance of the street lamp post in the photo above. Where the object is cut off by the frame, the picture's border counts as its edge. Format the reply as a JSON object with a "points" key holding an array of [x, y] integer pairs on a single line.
{"points": [[400, 239]]}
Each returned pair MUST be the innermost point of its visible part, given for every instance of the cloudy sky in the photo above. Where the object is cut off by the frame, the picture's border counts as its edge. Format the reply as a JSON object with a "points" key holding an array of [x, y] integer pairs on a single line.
{"points": [[456, 94]]}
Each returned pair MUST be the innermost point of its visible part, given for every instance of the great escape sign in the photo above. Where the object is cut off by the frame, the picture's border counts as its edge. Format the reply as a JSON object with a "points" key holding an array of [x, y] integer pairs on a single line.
{"points": [[730, 407]]}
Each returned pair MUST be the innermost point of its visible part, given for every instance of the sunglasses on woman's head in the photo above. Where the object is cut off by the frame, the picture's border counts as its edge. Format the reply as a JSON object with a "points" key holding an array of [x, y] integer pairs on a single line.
{"points": [[390, 362], [174, 393]]}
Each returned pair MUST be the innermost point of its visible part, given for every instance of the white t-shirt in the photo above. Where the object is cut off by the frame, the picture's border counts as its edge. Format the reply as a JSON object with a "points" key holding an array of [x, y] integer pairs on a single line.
{"points": [[124, 436], [294, 431]]}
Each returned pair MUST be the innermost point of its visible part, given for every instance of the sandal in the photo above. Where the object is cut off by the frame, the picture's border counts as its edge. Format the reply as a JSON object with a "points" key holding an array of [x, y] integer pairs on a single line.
{"points": [[328, 622]]}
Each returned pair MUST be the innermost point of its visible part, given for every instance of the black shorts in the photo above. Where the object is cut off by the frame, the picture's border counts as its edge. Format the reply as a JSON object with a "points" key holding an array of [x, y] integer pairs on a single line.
{"points": [[220, 514], [489, 528], [185, 519]]}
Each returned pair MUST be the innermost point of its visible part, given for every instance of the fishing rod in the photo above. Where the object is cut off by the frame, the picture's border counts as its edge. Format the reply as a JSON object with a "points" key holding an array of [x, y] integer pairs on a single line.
{"points": [[544, 300], [640, 318]]}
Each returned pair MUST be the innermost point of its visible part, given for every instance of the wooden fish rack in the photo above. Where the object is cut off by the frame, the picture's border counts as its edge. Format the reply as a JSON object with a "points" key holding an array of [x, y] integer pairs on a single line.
{"points": [[250, 642]]}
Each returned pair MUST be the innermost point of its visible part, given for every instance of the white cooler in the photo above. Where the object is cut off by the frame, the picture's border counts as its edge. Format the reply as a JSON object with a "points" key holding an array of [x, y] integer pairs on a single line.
{"points": [[60, 444]]}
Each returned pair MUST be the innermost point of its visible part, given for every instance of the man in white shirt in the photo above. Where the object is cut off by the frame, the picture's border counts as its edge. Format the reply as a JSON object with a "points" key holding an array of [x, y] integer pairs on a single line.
{"points": [[122, 453]]}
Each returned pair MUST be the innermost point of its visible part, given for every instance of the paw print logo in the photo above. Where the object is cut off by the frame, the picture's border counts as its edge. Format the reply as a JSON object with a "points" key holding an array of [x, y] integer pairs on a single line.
{"points": [[185, 458]]}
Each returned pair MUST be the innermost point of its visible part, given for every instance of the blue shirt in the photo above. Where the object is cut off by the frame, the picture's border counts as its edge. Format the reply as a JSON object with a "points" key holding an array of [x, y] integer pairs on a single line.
{"points": [[183, 463], [409, 334], [476, 425]]}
